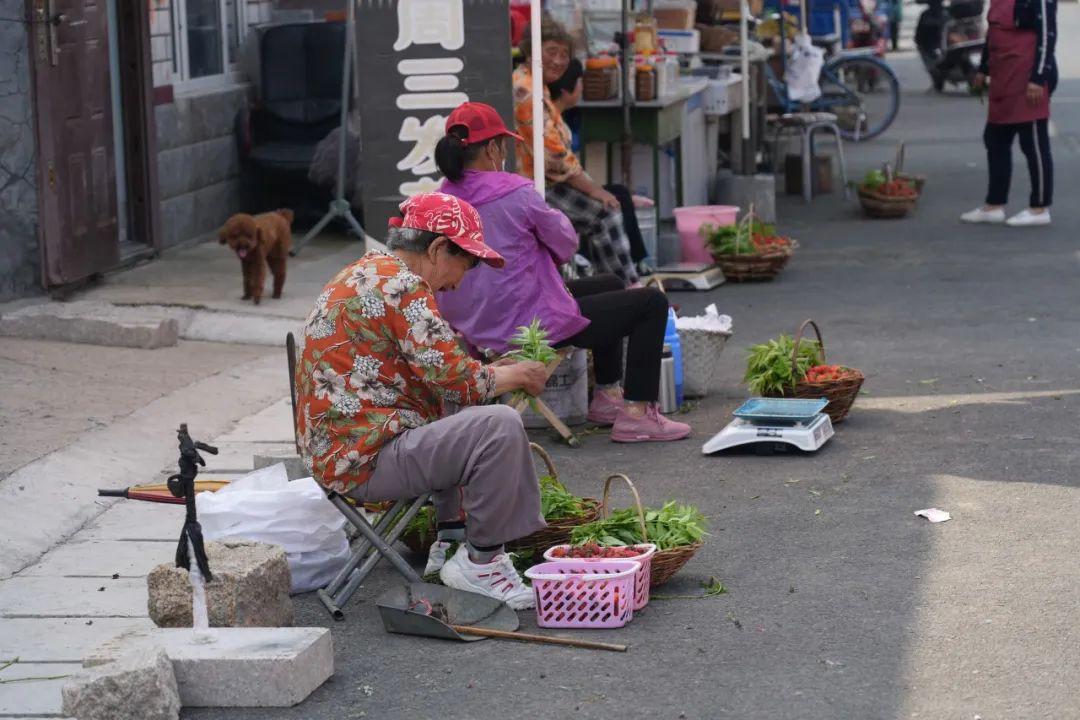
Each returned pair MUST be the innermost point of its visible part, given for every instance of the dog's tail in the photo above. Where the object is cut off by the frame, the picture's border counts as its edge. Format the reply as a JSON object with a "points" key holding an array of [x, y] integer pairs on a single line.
{"points": [[285, 213]]}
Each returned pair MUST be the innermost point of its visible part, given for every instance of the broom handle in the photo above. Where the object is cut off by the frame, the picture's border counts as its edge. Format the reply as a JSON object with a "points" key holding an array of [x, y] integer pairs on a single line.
{"points": [[530, 637]]}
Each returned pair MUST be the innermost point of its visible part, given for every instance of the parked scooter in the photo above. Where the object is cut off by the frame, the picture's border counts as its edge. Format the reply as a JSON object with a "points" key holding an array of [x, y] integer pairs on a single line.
{"points": [[950, 37]]}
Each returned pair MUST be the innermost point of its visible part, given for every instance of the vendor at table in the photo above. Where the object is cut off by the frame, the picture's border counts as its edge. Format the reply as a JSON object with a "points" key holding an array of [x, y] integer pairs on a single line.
{"points": [[378, 366], [596, 213], [595, 313]]}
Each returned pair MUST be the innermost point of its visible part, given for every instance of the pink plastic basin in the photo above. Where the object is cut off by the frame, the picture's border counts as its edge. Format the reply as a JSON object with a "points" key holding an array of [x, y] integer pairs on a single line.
{"points": [[688, 220]]}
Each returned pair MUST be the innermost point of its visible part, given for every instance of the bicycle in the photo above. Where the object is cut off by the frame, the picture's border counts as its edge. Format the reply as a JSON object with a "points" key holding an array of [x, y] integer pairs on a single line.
{"points": [[856, 86]]}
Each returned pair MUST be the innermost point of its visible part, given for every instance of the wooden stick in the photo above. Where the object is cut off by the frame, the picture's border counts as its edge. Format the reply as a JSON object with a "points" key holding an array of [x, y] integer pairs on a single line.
{"points": [[530, 637]]}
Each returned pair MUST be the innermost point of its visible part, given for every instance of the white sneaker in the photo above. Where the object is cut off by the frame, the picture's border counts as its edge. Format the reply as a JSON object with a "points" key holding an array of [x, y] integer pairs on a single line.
{"points": [[497, 579], [436, 556], [1026, 218], [982, 215]]}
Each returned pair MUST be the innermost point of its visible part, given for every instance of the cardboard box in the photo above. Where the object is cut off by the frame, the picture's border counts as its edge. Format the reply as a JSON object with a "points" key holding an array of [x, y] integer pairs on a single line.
{"points": [[713, 12], [675, 17], [714, 38]]}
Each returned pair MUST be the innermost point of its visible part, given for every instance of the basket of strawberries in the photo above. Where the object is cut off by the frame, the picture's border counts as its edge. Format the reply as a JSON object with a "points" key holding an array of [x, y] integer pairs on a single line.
{"points": [[795, 368], [749, 250], [885, 195]]}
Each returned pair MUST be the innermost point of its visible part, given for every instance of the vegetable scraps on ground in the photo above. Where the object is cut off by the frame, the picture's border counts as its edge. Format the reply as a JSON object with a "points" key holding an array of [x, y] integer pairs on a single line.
{"points": [[670, 526], [531, 342], [769, 370]]}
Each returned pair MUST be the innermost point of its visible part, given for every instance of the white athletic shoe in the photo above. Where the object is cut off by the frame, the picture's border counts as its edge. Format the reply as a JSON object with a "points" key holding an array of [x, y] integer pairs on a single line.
{"points": [[981, 215], [1026, 218], [436, 556], [497, 579]]}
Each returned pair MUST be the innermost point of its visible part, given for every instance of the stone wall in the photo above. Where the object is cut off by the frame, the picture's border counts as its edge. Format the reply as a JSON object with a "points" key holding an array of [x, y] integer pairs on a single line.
{"points": [[198, 165], [20, 267]]}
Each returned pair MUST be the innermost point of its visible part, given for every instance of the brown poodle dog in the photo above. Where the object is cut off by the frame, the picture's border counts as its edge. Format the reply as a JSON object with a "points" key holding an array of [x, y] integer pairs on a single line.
{"points": [[260, 241]]}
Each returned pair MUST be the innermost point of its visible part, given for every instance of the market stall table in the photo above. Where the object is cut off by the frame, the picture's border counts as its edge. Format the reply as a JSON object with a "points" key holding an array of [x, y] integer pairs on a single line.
{"points": [[655, 123]]}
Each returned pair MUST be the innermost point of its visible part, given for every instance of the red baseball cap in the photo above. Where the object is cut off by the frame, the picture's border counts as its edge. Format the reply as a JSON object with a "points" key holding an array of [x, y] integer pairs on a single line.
{"points": [[482, 121], [449, 216]]}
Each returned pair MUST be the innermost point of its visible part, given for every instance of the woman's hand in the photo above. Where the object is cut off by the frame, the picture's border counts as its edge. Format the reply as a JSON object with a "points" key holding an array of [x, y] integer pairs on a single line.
{"points": [[528, 375], [1035, 93], [609, 201], [979, 81]]}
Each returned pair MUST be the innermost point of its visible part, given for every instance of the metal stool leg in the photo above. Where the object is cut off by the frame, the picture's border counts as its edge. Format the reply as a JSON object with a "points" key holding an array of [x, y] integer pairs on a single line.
{"points": [[840, 156], [807, 163]]}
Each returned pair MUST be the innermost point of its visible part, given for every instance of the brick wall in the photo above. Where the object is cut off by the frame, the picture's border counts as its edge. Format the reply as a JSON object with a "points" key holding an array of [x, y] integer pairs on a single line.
{"points": [[20, 268]]}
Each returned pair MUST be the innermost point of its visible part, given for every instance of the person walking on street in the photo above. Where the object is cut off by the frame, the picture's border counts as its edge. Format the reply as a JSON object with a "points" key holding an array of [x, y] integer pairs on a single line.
{"points": [[1018, 64]]}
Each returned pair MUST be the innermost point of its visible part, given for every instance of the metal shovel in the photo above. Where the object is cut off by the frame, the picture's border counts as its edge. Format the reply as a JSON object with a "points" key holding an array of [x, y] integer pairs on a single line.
{"points": [[437, 611]]}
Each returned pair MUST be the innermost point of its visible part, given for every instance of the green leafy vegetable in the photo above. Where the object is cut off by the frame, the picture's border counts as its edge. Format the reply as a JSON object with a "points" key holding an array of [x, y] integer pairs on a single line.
{"points": [[557, 502], [768, 368], [672, 525], [532, 343], [737, 239], [874, 179]]}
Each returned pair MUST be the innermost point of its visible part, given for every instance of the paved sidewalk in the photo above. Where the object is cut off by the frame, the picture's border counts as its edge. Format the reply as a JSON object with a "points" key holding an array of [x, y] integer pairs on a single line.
{"points": [[93, 586]]}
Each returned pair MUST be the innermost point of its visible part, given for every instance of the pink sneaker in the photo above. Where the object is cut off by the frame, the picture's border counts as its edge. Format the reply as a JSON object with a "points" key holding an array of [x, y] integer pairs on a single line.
{"points": [[604, 409], [650, 427]]}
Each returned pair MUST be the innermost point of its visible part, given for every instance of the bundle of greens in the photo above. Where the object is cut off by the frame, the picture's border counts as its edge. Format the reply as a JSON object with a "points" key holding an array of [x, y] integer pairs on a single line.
{"points": [[768, 368], [737, 239], [531, 342], [874, 179], [671, 526]]}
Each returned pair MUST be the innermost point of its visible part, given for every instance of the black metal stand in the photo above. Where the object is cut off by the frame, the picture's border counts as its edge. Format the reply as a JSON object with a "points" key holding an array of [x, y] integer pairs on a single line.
{"points": [[183, 485], [339, 206]]}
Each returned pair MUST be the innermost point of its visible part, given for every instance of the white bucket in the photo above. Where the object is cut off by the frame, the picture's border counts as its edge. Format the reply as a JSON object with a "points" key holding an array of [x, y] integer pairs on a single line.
{"points": [[646, 220]]}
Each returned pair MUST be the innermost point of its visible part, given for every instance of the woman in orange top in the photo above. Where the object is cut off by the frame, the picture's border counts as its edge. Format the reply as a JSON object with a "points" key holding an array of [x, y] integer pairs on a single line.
{"points": [[378, 367], [596, 213]]}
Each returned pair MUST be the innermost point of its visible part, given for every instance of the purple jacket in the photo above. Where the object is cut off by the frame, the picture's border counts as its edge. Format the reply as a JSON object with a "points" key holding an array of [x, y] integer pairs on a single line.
{"points": [[489, 305]]}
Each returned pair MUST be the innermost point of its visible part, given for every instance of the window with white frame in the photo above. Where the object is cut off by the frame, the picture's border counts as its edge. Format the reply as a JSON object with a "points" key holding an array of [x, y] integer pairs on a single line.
{"points": [[197, 43]]}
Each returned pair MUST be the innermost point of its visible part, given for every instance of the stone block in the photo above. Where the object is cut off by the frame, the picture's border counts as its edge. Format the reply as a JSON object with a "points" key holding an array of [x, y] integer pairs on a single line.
{"points": [[241, 667], [294, 466], [93, 323], [250, 588], [138, 684]]}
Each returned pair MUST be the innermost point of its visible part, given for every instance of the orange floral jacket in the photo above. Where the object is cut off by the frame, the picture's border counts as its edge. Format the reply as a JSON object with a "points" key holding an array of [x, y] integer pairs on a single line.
{"points": [[377, 360], [560, 163]]}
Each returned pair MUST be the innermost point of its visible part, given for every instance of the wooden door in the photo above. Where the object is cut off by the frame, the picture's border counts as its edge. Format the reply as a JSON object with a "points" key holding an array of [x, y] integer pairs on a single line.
{"points": [[78, 203]]}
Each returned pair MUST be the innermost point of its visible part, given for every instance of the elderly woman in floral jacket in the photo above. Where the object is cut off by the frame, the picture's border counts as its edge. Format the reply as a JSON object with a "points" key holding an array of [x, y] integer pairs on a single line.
{"points": [[378, 365]]}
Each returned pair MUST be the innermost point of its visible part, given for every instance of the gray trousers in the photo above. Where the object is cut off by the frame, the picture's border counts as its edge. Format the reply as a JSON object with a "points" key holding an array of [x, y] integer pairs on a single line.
{"points": [[478, 465]]}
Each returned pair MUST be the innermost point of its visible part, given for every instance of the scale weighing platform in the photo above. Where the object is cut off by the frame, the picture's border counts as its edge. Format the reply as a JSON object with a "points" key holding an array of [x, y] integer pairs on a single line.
{"points": [[771, 424], [689, 276]]}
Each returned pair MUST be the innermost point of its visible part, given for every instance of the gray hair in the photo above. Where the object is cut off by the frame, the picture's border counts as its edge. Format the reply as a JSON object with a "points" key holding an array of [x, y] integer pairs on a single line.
{"points": [[417, 241]]}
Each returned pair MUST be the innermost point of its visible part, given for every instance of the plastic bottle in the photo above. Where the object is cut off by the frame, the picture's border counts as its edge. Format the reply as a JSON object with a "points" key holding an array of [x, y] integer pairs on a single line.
{"points": [[671, 338]]}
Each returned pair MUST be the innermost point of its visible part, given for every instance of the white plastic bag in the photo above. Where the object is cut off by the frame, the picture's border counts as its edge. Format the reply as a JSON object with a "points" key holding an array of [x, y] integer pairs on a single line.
{"points": [[803, 69], [264, 506]]}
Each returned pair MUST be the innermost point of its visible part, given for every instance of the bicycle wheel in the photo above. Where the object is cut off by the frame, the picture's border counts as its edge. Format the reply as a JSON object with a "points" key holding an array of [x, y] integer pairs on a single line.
{"points": [[863, 93]]}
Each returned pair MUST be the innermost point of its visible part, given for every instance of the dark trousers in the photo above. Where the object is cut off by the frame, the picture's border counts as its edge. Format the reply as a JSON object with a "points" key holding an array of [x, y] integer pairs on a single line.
{"points": [[615, 313], [630, 225], [1035, 144]]}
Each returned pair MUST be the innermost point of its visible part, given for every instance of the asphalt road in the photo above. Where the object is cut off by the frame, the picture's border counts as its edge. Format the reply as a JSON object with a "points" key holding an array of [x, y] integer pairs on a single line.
{"points": [[840, 603]]}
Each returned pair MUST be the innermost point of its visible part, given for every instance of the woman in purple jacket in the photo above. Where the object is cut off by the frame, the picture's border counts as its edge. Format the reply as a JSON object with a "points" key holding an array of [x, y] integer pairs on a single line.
{"points": [[595, 313]]}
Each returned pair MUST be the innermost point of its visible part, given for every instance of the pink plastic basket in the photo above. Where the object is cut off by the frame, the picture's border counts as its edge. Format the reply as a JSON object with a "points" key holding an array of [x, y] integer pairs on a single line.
{"points": [[584, 593], [641, 579], [689, 220]]}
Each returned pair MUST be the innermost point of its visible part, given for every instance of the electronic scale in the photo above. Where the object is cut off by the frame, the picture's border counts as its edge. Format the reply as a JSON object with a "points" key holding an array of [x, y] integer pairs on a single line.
{"points": [[771, 424], [689, 276]]}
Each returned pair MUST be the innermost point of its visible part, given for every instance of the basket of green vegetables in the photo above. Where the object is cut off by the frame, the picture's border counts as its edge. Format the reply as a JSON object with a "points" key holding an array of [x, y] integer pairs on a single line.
{"points": [[678, 531], [562, 510]]}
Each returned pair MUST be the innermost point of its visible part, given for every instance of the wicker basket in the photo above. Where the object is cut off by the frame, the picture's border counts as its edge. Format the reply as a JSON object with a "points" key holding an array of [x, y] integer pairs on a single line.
{"points": [[840, 393], [755, 268], [876, 205], [665, 563], [558, 530]]}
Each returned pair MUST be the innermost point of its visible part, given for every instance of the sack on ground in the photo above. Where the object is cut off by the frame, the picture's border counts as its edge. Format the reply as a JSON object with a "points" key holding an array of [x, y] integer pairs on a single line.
{"points": [[265, 507]]}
